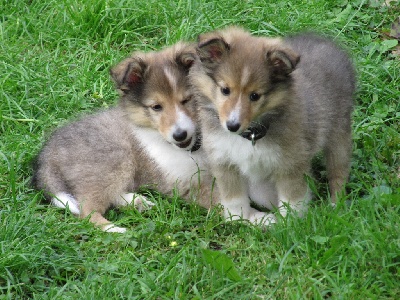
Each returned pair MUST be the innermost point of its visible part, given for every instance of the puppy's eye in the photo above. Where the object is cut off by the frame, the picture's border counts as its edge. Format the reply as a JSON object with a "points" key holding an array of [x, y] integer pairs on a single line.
{"points": [[225, 91], [254, 96], [156, 107], [186, 100]]}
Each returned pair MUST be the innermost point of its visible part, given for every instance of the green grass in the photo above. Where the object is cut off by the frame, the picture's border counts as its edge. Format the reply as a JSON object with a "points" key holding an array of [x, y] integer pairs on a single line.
{"points": [[54, 62]]}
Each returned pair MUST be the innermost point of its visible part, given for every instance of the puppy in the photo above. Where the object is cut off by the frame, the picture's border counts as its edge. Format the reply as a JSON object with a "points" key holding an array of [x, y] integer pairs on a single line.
{"points": [[267, 106], [150, 139]]}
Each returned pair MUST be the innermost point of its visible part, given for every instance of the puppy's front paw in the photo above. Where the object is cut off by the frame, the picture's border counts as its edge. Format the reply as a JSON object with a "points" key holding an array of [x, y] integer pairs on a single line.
{"points": [[262, 219], [141, 203]]}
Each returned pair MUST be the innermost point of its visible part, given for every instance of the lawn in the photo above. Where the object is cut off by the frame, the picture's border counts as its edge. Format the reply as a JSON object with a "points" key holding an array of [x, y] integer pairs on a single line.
{"points": [[55, 58]]}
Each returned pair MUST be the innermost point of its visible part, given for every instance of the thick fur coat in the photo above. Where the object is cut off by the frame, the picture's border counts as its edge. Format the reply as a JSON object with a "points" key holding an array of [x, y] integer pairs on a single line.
{"points": [[102, 159], [267, 106]]}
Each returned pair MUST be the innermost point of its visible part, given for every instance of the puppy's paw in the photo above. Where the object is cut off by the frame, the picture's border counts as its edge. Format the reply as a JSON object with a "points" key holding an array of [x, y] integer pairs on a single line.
{"points": [[262, 219], [113, 228], [141, 203]]}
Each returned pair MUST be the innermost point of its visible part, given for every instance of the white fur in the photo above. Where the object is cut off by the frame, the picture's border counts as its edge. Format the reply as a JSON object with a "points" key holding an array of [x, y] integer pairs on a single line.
{"points": [[171, 78], [125, 199], [183, 122], [261, 218], [140, 202], [234, 115], [175, 163], [238, 208], [113, 228], [256, 162], [263, 193], [64, 200], [245, 76], [299, 205]]}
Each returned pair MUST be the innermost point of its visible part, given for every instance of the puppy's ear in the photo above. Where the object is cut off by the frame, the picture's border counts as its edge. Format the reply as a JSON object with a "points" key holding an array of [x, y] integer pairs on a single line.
{"points": [[186, 58], [283, 62], [212, 49], [129, 73]]}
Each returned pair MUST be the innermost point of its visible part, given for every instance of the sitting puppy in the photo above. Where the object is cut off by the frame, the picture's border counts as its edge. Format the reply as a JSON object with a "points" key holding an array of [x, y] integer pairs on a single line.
{"points": [[151, 138], [267, 106]]}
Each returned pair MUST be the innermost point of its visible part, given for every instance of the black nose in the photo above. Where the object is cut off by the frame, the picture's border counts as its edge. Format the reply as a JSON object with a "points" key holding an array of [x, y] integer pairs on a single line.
{"points": [[180, 135], [233, 126]]}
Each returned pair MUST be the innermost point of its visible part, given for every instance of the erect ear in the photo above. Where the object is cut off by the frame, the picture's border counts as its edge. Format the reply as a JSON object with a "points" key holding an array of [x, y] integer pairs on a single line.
{"points": [[129, 73], [186, 57], [283, 62], [212, 49]]}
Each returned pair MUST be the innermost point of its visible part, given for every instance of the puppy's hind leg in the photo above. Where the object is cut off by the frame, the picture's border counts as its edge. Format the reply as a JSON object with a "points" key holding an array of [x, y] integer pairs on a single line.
{"points": [[95, 210], [338, 157]]}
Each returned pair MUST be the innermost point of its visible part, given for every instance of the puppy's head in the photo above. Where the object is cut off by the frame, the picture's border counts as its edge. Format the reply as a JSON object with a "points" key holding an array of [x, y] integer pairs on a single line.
{"points": [[155, 92], [242, 76]]}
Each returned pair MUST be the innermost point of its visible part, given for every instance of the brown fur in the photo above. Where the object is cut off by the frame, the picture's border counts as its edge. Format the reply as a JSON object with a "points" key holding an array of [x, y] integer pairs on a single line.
{"points": [[300, 89], [95, 161]]}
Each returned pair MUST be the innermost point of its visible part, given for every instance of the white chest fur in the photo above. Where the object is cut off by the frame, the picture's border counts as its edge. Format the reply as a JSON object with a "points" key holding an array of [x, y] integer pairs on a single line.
{"points": [[175, 163], [255, 162]]}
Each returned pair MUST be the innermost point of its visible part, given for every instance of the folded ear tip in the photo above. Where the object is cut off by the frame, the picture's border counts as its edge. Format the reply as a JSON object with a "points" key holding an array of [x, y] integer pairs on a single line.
{"points": [[214, 42], [212, 49], [127, 73], [186, 58], [283, 59]]}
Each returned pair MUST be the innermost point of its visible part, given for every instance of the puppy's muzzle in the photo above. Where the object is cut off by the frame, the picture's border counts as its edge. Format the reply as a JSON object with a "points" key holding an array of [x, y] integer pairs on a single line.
{"points": [[180, 135], [181, 138], [233, 126]]}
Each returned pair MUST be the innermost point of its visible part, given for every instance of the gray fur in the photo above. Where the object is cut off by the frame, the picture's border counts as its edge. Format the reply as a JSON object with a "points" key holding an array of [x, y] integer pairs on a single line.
{"points": [[96, 157], [307, 84], [103, 156]]}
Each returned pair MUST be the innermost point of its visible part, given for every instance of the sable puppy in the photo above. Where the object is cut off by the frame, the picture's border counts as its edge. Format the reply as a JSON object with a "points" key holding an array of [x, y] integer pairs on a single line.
{"points": [[267, 106], [150, 138]]}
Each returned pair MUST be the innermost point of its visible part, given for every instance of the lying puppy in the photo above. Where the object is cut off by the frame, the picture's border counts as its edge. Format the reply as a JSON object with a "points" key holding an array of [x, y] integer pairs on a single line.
{"points": [[151, 138], [267, 106]]}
